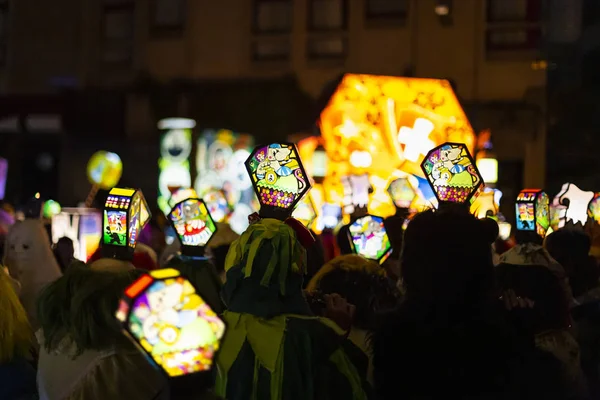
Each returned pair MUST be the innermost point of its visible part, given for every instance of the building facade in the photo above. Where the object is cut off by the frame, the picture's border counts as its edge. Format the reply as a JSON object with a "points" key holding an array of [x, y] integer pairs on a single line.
{"points": [[196, 57]]}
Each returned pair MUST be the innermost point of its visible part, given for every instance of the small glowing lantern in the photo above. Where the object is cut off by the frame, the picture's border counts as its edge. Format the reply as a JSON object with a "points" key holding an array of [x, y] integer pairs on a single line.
{"points": [[402, 192], [104, 171], [452, 173], [218, 206], [504, 230], [576, 201], [193, 224], [165, 317], [125, 215], [51, 208], [486, 204], [319, 164], [369, 238], [278, 177], [594, 208], [488, 167], [532, 211], [305, 212]]}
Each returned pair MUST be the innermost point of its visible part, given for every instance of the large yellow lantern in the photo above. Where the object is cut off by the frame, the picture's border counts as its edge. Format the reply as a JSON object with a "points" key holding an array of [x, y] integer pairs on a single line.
{"points": [[396, 121]]}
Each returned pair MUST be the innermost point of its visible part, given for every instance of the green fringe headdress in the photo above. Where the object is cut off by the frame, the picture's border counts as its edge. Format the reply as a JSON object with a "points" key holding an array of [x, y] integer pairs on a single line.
{"points": [[258, 268]]}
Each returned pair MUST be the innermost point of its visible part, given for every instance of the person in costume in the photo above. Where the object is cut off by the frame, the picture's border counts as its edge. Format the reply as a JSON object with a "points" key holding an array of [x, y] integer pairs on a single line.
{"points": [[363, 283], [83, 352], [274, 348], [29, 258], [17, 375]]}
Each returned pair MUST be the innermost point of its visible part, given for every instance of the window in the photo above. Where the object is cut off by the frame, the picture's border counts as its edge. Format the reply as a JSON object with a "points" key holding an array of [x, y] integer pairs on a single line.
{"points": [[514, 10], [118, 32], [327, 14], [271, 50], [326, 48], [514, 39], [168, 14], [4, 30], [273, 16], [376, 9]]}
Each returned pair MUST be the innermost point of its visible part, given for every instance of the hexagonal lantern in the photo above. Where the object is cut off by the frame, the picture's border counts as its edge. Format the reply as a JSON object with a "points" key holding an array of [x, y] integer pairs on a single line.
{"points": [[165, 317], [305, 211], [278, 177], [369, 238], [532, 211], [125, 215], [193, 224], [594, 208], [452, 173], [218, 206], [402, 192]]}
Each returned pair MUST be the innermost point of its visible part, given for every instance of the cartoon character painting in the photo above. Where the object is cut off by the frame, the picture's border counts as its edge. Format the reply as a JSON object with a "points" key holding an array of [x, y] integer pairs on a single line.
{"points": [[370, 238], [452, 173], [278, 175], [175, 326], [115, 231], [525, 216]]}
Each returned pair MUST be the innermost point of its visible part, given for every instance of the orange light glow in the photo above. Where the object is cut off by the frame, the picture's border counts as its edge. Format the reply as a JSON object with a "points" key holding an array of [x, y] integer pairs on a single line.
{"points": [[396, 121]]}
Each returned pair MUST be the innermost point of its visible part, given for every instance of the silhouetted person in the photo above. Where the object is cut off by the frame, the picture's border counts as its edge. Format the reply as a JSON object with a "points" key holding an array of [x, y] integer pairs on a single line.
{"points": [[64, 252]]}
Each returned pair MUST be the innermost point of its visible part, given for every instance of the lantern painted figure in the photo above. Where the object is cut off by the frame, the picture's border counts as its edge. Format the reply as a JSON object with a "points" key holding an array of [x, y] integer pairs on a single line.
{"points": [[369, 238], [217, 204], [162, 313], [125, 215], [594, 208], [278, 178], [578, 203], [532, 211], [193, 224], [305, 211], [452, 173], [402, 192]]}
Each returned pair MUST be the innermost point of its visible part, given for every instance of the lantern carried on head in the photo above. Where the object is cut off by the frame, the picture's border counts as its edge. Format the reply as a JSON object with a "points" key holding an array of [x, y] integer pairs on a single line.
{"points": [[185, 344], [278, 178], [194, 226], [104, 171], [369, 238], [452, 173], [402, 192], [217, 204], [125, 215], [576, 201], [532, 211]]}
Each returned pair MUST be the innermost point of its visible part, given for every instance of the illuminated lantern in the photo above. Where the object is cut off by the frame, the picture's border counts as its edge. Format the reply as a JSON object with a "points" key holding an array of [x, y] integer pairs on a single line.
{"points": [[174, 165], [369, 238], [193, 224], [125, 215], [576, 201], [504, 230], [488, 167], [305, 211], [452, 173], [104, 171], [278, 177], [83, 226], [218, 206], [532, 211], [51, 208], [594, 208], [170, 323], [402, 192], [487, 203]]}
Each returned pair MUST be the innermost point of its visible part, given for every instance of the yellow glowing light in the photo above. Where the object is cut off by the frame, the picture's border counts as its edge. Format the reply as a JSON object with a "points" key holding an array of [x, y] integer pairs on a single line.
{"points": [[488, 168], [361, 159], [396, 120]]}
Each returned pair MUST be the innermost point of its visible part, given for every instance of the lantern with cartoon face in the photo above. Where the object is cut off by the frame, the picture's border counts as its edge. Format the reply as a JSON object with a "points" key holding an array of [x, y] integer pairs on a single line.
{"points": [[166, 318], [532, 211], [193, 224], [278, 177], [369, 238], [452, 173], [125, 215]]}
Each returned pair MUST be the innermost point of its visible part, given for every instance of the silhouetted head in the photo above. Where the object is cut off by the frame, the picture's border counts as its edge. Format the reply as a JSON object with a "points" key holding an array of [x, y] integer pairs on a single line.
{"points": [[447, 257], [523, 237]]}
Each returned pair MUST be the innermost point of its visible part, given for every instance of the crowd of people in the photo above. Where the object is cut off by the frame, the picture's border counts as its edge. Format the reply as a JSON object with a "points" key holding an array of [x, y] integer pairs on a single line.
{"points": [[453, 313]]}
